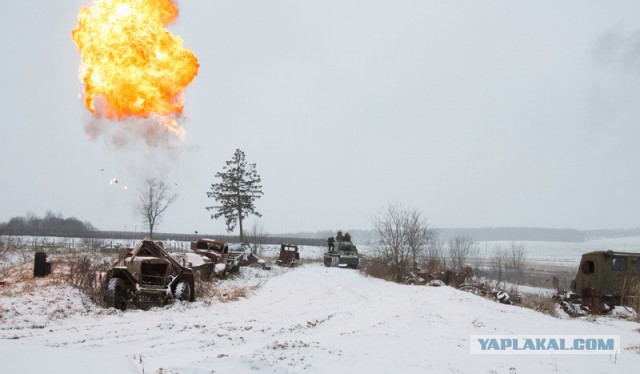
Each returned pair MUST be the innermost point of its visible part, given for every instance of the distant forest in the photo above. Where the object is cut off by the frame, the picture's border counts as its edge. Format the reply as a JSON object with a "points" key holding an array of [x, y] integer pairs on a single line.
{"points": [[52, 224]]}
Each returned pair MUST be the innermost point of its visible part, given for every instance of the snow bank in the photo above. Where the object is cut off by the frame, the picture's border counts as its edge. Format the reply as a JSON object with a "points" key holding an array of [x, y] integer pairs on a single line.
{"points": [[310, 319]]}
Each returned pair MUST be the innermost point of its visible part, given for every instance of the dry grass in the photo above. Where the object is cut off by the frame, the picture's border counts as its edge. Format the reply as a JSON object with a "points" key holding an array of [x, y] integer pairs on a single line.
{"points": [[376, 268], [88, 276], [540, 303], [209, 291], [634, 349], [19, 279], [634, 291]]}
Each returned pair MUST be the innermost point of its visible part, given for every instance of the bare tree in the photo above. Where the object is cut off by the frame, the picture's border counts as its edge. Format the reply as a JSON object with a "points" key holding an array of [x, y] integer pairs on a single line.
{"points": [[154, 200], [499, 262], [257, 236], [418, 234], [435, 255], [478, 259], [460, 250], [402, 236], [516, 261]]}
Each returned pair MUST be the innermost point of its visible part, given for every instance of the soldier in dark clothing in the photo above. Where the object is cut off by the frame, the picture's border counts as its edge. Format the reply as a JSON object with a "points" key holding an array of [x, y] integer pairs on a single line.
{"points": [[332, 244]]}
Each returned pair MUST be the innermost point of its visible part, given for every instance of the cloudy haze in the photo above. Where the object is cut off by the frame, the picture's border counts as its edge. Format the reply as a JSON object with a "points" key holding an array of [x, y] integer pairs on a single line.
{"points": [[477, 113]]}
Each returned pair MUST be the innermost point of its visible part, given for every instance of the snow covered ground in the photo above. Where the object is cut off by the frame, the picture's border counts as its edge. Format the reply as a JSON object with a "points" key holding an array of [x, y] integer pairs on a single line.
{"points": [[309, 319]]}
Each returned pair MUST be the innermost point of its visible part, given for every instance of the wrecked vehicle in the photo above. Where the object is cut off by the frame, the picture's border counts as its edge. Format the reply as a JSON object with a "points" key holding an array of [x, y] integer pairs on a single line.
{"points": [[604, 280], [483, 289], [419, 276], [218, 252], [203, 268], [148, 275], [246, 257], [343, 254], [289, 255]]}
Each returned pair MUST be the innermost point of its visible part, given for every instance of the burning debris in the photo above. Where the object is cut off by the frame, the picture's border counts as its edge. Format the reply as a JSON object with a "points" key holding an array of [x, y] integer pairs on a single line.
{"points": [[132, 67], [115, 181]]}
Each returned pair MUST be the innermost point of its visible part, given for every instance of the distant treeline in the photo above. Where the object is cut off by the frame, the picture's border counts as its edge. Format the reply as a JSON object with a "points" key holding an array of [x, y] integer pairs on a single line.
{"points": [[55, 225], [52, 224]]}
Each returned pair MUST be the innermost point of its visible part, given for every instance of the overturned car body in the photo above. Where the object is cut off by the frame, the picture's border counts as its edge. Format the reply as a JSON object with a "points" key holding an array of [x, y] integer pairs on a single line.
{"points": [[148, 275]]}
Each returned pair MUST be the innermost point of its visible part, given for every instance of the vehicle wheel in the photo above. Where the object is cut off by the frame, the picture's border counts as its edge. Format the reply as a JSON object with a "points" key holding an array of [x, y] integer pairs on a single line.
{"points": [[327, 261], [115, 297], [182, 292]]}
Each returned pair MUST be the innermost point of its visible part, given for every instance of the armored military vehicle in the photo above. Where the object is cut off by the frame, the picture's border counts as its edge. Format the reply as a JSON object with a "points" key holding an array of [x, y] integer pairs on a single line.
{"points": [[342, 253], [605, 279], [148, 275]]}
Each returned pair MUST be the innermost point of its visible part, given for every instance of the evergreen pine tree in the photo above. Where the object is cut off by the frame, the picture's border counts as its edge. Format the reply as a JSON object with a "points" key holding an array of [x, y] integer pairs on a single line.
{"points": [[236, 193]]}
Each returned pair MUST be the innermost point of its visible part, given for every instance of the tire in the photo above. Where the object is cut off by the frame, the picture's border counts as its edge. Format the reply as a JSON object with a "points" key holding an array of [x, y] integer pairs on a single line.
{"points": [[182, 291], [116, 295], [327, 261]]}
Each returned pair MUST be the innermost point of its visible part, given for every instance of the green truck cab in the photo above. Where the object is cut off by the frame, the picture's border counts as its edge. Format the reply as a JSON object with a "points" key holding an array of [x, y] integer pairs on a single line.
{"points": [[608, 277]]}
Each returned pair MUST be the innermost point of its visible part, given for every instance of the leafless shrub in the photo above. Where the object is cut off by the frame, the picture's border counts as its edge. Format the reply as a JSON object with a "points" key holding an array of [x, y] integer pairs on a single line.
{"points": [[92, 245], [634, 293], [499, 263], [435, 256], [378, 268], [257, 237], [401, 237], [88, 277], [516, 262], [508, 265], [478, 260], [459, 251], [4, 248], [204, 289]]}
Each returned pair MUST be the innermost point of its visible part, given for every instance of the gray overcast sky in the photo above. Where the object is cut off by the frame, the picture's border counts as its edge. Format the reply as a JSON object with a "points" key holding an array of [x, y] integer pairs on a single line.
{"points": [[477, 113]]}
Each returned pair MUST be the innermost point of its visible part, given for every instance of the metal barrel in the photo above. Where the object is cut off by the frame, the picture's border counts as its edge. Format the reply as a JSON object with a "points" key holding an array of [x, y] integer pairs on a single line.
{"points": [[40, 265]]}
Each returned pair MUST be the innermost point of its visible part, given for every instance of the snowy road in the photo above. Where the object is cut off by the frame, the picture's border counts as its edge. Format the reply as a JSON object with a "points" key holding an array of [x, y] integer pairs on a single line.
{"points": [[311, 319]]}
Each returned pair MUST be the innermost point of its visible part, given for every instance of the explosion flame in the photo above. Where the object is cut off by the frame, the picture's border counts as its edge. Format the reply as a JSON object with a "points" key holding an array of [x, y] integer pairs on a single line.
{"points": [[132, 67]]}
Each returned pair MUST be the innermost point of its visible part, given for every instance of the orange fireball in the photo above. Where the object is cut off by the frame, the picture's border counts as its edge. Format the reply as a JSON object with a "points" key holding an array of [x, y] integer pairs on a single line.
{"points": [[131, 65]]}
